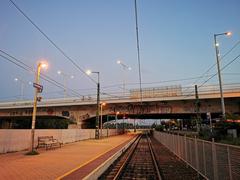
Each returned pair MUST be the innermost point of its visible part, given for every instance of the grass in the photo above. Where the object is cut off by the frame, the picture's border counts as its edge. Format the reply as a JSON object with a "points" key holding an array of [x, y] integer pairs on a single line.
{"points": [[230, 140]]}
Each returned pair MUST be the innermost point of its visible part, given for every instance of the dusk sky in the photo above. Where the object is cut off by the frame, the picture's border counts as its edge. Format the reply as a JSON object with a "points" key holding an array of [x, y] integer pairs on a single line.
{"points": [[176, 42]]}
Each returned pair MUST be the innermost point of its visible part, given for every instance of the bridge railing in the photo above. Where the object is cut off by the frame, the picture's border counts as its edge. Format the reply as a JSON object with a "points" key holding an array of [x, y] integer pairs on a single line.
{"points": [[173, 92], [183, 92], [210, 159]]}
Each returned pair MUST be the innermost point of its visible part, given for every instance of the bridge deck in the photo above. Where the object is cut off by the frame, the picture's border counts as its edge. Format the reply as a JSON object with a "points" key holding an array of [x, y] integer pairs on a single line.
{"points": [[56, 163]]}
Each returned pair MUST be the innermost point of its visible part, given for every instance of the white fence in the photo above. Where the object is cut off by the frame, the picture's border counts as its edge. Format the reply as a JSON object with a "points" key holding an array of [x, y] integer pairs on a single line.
{"points": [[212, 160], [19, 139]]}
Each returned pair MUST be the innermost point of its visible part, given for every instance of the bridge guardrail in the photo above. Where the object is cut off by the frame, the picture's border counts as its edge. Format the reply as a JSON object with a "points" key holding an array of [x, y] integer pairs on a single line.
{"points": [[186, 93]]}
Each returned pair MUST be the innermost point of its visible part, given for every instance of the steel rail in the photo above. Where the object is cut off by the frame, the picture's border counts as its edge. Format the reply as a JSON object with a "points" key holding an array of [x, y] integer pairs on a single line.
{"points": [[129, 155], [154, 158]]}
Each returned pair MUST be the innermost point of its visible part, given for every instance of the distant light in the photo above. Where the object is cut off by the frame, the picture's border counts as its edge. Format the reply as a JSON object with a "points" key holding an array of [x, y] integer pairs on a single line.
{"points": [[118, 62], [16, 79], [71, 76], [118, 112], [30, 83], [59, 72], [103, 104], [88, 72], [129, 68], [217, 44], [229, 33]]}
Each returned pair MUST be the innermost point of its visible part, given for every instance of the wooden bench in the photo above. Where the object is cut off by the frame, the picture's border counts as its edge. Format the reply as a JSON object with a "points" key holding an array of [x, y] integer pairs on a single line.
{"points": [[48, 142]]}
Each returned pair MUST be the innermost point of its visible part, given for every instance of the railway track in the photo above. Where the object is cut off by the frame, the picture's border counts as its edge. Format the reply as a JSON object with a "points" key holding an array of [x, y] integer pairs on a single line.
{"points": [[138, 162]]}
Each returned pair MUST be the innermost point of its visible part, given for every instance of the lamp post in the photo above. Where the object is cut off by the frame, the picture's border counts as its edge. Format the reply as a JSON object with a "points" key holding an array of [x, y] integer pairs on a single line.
{"points": [[22, 82], [65, 76], [101, 122], [37, 90], [125, 68], [123, 123], [107, 124], [116, 120], [22, 86], [89, 72], [219, 70]]}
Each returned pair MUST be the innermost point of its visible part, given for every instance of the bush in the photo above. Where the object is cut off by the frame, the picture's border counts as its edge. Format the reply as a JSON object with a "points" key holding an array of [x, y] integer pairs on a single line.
{"points": [[159, 128]]}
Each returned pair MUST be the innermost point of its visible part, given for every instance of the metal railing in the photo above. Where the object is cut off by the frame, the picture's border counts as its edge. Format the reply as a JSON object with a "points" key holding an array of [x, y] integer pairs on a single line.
{"points": [[160, 94], [210, 159]]}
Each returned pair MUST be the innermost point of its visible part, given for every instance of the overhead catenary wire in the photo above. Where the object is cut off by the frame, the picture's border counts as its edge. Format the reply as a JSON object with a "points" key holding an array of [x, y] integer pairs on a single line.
{"points": [[223, 57], [212, 66], [234, 59], [46, 78], [138, 50], [225, 66], [51, 41], [157, 82], [70, 59], [24, 66]]}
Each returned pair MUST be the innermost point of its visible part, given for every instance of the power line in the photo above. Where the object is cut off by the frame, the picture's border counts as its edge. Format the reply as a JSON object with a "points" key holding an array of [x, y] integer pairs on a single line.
{"points": [[111, 95], [231, 73], [14, 62], [51, 41], [221, 69], [30, 69], [234, 59], [156, 82], [228, 52], [138, 51]]}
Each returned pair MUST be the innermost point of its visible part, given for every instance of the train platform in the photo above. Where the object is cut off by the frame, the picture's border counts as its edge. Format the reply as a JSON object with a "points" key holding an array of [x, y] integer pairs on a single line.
{"points": [[72, 161]]}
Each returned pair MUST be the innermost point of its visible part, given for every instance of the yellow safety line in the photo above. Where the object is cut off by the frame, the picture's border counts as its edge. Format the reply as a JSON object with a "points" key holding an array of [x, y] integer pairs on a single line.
{"points": [[78, 167]]}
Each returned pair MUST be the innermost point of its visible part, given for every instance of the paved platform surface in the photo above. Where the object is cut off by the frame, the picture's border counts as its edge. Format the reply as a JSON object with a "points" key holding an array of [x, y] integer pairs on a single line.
{"points": [[57, 163]]}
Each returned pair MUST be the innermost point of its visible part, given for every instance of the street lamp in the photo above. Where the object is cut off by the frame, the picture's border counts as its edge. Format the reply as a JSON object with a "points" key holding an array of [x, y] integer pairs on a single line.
{"points": [[37, 86], [219, 71], [101, 122], [125, 68], [117, 113], [89, 72], [65, 76]]}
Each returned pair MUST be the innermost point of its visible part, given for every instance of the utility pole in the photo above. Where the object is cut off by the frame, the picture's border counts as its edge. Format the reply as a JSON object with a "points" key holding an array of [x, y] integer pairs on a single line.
{"points": [[88, 72], [98, 103], [197, 108]]}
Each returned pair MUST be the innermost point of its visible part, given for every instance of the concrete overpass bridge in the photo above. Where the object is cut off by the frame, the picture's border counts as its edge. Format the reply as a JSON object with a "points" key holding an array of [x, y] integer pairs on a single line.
{"points": [[157, 103]]}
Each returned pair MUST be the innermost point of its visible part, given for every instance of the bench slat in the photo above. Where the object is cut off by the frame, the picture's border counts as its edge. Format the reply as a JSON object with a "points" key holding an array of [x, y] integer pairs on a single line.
{"points": [[48, 142]]}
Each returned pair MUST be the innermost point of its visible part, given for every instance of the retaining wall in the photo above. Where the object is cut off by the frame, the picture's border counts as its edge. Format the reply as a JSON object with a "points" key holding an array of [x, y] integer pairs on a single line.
{"points": [[12, 140]]}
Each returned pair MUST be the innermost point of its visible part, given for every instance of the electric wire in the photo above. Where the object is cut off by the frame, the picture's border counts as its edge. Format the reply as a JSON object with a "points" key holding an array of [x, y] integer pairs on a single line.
{"points": [[51, 41], [221, 58], [212, 66], [30, 69], [149, 83], [138, 51], [46, 78], [225, 66]]}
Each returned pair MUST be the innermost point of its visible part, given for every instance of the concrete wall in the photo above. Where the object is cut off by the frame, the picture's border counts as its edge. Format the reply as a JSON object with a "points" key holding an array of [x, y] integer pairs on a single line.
{"points": [[19, 139]]}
